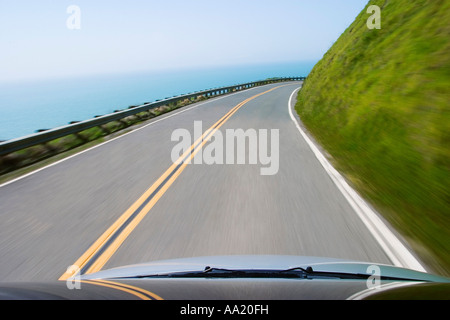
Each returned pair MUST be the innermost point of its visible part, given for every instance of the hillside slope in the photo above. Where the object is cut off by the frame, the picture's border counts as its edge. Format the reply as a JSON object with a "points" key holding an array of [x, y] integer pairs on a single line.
{"points": [[379, 102]]}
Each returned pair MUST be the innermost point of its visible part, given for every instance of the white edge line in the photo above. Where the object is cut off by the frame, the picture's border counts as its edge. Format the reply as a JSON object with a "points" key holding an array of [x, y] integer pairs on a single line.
{"points": [[384, 287], [392, 246], [121, 136]]}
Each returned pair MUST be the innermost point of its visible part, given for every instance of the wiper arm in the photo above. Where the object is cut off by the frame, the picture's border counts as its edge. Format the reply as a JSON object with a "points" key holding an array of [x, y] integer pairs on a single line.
{"points": [[209, 272], [310, 273], [292, 273], [248, 273]]}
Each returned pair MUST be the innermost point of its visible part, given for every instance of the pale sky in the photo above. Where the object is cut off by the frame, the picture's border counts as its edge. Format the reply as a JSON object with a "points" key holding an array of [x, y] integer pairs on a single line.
{"points": [[138, 35]]}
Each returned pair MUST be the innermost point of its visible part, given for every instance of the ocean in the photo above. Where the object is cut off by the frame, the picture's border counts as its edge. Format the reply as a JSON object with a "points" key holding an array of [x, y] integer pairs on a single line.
{"points": [[28, 106]]}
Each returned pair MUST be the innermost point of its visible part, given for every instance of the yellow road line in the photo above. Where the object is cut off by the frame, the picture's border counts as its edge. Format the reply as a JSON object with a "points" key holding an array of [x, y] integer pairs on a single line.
{"points": [[115, 226], [138, 292], [119, 223], [101, 261], [137, 289]]}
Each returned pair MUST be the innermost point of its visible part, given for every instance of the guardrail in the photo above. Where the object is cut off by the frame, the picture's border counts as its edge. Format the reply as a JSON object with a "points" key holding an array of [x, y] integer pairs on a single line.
{"points": [[17, 144]]}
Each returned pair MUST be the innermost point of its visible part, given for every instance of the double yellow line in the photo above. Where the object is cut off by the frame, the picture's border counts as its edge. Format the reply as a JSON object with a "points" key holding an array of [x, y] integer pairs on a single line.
{"points": [[138, 292], [108, 243]]}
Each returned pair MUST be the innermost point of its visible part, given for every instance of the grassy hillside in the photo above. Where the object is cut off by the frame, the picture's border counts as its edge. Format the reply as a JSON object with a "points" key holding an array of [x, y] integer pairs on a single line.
{"points": [[379, 103]]}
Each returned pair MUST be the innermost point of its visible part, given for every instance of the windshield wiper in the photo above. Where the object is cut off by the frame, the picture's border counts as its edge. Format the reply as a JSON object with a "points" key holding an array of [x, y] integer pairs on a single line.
{"points": [[292, 273]]}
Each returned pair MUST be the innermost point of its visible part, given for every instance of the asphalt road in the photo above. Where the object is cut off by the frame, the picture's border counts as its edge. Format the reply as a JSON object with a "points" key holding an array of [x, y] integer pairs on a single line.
{"points": [[50, 218]]}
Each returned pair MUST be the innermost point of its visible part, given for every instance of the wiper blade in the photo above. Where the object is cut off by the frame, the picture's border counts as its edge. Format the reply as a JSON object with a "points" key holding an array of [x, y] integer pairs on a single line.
{"points": [[292, 273], [309, 272]]}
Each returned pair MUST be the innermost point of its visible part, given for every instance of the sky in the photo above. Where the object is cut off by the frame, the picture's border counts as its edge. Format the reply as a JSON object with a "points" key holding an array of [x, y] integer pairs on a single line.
{"points": [[117, 36]]}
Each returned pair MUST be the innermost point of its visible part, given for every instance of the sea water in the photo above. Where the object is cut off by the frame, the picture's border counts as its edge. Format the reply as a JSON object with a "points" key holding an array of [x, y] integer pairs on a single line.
{"points": [[28, 106]]}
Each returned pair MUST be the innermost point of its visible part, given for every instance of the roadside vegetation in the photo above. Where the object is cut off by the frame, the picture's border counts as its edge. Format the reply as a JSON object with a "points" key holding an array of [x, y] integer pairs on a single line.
{"points": [[379, 103]]}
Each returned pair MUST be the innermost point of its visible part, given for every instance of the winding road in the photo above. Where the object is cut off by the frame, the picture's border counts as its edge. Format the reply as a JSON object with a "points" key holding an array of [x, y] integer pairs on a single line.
{"points": [[125, 201]]}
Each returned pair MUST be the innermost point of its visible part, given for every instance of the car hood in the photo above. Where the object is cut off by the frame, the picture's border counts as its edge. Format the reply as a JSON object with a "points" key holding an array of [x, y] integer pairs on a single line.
{"points": [[263, 262], [130, 282]]}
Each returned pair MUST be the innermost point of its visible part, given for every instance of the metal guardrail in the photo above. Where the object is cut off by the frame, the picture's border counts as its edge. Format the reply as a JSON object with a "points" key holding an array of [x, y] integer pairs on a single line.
{"points": [[73, 128]]}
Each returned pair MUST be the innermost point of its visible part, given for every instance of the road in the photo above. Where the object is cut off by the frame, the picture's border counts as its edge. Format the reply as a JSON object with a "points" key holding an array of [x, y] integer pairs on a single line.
{"points": [[54, 217]]}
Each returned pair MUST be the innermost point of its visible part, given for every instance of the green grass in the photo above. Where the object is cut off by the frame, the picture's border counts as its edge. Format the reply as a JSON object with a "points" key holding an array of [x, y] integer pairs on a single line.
{"points": [[378, 101]]}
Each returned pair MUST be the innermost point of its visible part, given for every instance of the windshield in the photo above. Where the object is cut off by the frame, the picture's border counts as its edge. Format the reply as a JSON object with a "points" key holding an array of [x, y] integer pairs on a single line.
{"points": [[137, 135]]}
